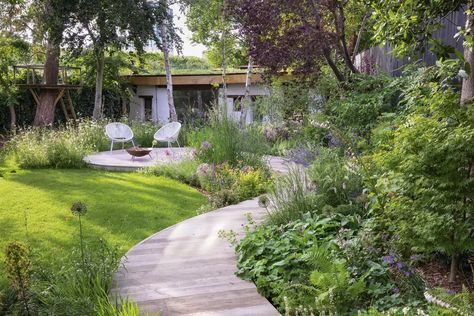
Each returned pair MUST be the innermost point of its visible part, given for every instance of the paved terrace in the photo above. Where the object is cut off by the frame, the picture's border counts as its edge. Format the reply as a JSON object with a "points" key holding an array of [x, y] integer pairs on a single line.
{"points": [[188, 270], [121, 160]]}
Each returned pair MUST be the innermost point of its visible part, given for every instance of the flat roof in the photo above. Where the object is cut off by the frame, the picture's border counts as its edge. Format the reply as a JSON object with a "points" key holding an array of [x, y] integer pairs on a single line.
{"points": [[192, 79]]}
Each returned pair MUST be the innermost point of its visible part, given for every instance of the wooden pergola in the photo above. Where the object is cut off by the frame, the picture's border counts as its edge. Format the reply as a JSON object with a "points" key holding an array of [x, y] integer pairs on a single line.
{"points": [[35, 83]]}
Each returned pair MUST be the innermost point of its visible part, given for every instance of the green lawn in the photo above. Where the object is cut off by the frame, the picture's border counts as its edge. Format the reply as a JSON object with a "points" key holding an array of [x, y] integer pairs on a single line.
{"points": [[123, 208]]}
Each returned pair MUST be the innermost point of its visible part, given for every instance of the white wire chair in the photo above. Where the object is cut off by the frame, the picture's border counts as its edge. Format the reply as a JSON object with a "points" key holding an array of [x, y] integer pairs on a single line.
{"points": [[119, 133], [169, 133]]}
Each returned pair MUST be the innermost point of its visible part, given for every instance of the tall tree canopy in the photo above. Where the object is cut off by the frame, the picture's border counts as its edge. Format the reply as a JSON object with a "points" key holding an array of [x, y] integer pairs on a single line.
{"points": [[113, 24], [298, 35], [409, 26], [205, 19]]}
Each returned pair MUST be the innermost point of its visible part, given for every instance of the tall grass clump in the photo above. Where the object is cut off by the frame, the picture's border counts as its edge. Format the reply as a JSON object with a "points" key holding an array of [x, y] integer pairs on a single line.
{"points": [[66, 146], [290, 198], [224, 141], [184, 171], [331, 185]]}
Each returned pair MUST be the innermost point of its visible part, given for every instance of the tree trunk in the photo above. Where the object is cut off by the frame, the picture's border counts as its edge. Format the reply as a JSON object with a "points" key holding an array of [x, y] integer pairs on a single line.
{"points": [[454, 267], [246, 100], [12, 119], [169, 80], [467, 91], [47, 97], [340, 22], [359, 35], [124, 107], [333, 66], [99, 83], [224, 57]]}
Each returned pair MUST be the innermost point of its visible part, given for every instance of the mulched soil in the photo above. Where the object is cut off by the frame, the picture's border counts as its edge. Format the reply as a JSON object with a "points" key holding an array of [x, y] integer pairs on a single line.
{"points": [[436, 274]]}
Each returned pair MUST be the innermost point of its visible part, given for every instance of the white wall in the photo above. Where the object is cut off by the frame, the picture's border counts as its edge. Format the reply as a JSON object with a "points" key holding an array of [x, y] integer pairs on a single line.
{"points": [[239, 90], [161, 111]]}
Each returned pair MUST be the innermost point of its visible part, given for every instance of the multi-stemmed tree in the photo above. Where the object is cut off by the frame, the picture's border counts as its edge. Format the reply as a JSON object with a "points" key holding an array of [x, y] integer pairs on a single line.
{"points": [[113, 24]]}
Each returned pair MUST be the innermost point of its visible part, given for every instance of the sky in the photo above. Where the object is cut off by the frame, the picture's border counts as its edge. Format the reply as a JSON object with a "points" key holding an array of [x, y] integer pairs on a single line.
{"points": [[189, 48]]}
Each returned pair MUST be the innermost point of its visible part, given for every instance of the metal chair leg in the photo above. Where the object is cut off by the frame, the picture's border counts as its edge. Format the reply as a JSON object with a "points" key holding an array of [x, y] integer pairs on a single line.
{"points": [[111, 146]]}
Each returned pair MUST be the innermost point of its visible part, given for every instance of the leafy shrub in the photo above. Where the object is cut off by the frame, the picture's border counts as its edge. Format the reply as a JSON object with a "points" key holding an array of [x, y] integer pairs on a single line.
{"points": [[288, 102], [275, 257], [426, 175], [357, 108], [335, 290], [18, 268], [229, 185]]}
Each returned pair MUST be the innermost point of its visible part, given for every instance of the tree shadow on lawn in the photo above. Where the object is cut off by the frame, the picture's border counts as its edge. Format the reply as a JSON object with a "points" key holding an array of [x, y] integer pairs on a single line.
{"points": [[122, 208]]}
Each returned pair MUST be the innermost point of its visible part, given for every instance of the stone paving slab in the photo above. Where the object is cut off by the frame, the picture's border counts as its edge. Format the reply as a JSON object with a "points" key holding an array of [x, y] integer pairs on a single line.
{"points": [[188, 270], [121, 160]]}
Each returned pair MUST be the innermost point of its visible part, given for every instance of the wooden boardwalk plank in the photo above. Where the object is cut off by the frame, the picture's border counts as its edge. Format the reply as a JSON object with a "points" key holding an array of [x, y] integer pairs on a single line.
{"points": [[188, 270]]}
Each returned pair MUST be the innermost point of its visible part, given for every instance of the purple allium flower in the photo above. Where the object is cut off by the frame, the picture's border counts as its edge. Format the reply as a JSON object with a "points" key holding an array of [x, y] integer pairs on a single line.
{"points": [[396, 290], [450, 291], [206, 145], [400, 265], [383, 236], [413, 258], [408, 274], [168, 152], [203, 169], [194, 153], [388, 259]]}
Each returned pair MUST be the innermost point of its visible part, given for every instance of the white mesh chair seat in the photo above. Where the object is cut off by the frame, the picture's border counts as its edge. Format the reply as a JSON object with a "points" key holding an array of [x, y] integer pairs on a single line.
{"points": [[119, 133], [169, 133]]}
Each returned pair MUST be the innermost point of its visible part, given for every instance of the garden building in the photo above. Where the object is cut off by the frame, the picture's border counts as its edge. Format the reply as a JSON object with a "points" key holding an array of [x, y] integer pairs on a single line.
{"points": [[193, 93]]}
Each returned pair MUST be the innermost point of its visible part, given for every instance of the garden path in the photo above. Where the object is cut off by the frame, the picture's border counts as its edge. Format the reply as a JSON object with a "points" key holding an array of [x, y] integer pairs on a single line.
{"points": [[188, 270]]}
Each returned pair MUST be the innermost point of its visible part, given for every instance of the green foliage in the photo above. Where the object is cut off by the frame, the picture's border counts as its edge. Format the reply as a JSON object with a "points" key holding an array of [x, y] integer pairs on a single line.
{"points": [[223, 141], [18, 269], [66, 147], [276, 256], [290, 198], [426, 172], [357, 108], [335, 291], [288, 101], [333, 185], [338, 181], [444, 303], [79, 288], [207, 20], [184, 171], [153, 63], [409, 25], [229, 185]]}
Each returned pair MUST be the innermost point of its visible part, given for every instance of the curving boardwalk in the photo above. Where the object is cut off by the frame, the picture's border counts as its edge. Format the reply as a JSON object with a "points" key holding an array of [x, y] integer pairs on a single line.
{"points": [[188, 270]]}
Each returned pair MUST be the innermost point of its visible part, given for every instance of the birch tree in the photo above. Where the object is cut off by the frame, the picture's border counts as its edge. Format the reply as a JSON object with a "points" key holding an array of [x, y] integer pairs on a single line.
{"points": [[165, 38]]}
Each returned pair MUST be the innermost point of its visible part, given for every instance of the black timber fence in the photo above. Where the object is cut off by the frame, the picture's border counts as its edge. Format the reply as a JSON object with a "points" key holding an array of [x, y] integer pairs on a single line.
{"points": [[379, 59]]}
